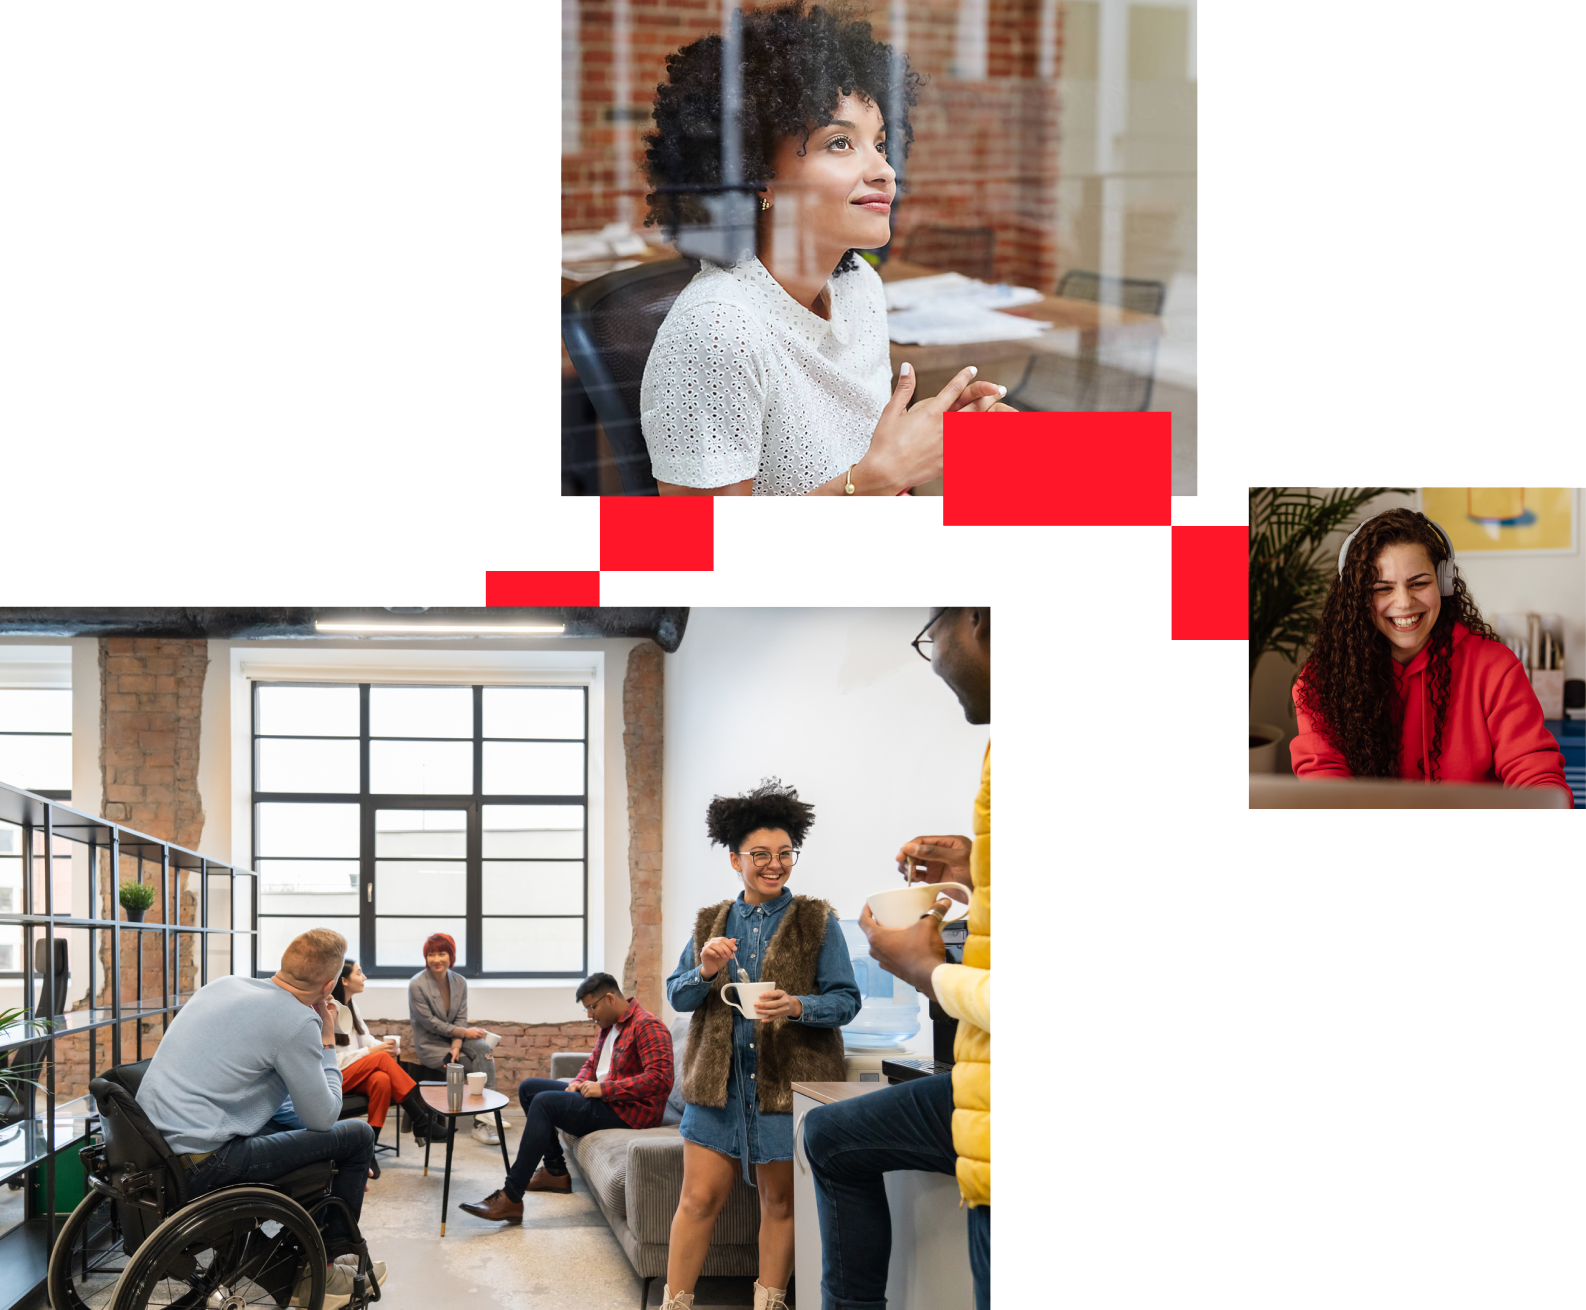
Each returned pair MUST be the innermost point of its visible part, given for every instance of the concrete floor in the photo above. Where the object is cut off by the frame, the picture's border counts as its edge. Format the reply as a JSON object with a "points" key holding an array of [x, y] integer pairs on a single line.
{"points": [[563, 1254]]}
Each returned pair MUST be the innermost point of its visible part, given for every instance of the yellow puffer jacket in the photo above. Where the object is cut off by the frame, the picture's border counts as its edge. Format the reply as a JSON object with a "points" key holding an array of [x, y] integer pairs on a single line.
{"points": [[964, 991]]}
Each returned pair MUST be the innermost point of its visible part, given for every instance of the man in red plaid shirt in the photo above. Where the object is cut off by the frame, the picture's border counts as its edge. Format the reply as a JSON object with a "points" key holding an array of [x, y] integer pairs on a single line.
{"points": [[623, 1084]]}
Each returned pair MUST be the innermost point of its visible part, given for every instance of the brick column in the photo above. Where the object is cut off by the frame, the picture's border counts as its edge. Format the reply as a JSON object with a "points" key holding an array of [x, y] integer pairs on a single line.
{"points": [[151, 698], [642, 973], [151, 704]]}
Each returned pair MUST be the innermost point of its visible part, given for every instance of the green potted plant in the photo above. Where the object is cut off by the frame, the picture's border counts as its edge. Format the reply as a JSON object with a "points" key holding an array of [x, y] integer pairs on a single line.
{"points": [[1291, 569], [136, 897], [19, 1071]]}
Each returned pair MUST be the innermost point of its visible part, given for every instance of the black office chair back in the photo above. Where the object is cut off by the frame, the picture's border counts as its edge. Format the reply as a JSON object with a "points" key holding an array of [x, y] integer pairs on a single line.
{"points": [[138, 1163], [966, 250], [1137, 295], [608, 327], [1116, 374]]}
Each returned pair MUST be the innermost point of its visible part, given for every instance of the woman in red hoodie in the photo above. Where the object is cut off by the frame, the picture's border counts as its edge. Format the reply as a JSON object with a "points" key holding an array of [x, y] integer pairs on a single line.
{"points": [[1406, 680]]}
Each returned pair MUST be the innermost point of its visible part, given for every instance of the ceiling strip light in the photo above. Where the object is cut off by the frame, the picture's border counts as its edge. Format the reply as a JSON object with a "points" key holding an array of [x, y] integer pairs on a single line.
{"points": [[489, 629]]}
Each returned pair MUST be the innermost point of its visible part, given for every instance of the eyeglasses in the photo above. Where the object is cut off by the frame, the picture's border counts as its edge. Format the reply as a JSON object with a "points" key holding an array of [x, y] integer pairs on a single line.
{"points": [[923, 644], [787, 859]]}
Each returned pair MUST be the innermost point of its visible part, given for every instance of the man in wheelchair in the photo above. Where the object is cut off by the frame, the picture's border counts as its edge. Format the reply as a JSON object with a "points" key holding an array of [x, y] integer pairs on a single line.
{"points": [[229, 1058]]}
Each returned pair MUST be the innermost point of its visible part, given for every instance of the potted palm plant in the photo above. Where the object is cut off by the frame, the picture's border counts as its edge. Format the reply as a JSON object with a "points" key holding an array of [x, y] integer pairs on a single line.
{"points": [[136, 897], [19, 1071], [1291, 568]]}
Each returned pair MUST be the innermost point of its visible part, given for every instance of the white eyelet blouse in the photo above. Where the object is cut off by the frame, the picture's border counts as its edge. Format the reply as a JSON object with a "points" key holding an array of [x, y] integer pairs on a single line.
{"points": [[743, 381]]}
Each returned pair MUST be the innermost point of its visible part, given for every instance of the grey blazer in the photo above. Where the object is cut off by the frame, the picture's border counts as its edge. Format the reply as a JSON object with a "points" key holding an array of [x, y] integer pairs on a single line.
{"points": [[434, 1025]]}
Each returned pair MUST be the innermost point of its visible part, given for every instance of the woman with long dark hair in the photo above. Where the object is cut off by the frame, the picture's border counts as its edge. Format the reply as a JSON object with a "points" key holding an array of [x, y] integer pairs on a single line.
{"points": [[368, 1065], [1407, 680], [770, 376]]}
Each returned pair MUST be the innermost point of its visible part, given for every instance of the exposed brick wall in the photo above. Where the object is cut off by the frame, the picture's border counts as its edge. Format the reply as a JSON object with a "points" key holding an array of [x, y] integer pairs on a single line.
{"points": [[642, 735], [525, 1049], [151, 700], [985, 152], [152, 695]]}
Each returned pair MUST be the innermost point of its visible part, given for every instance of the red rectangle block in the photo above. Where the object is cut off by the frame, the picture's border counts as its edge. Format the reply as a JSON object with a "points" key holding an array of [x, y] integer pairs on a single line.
{"points": [[527, 588], [1052, 470], [1211, 584], [661, 533]]}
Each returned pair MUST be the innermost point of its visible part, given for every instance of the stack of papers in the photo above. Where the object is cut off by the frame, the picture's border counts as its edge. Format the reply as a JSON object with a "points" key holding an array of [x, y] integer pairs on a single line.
{"points": [[957, 291], [951, 309], [950, 327]]}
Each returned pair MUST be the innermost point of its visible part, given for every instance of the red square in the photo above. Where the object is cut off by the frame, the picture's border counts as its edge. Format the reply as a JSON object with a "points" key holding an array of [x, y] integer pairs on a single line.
{"points": [[525, 588], [1049, 470], [1211, 584], [657, 533]]}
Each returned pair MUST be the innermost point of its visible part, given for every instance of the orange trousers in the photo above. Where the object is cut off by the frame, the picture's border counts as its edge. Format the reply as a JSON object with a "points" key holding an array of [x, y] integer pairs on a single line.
{"points": [[380, 1078]]}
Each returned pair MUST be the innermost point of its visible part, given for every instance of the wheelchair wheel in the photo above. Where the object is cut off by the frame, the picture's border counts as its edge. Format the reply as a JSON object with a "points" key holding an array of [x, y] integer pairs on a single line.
{"points": [[239, 1247], [87, 1261]]}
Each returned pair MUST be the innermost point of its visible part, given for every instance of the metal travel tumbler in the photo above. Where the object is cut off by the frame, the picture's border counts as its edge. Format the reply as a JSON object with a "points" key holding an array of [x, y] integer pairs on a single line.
{"points": [[454, 1087]]}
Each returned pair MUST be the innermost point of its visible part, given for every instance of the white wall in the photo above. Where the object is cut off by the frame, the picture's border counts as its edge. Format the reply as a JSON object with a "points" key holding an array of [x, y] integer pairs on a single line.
{"points": [[835, 703], [1500, 584]]}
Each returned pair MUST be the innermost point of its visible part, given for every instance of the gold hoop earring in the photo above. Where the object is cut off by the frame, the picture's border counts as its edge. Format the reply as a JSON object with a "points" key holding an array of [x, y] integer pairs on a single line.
{"points": [[764, 204]]}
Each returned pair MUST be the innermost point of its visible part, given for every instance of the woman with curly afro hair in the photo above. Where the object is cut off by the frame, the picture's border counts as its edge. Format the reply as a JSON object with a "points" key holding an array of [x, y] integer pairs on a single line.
{"points": [[738, 1068], [1406, 680], [771, 376]]}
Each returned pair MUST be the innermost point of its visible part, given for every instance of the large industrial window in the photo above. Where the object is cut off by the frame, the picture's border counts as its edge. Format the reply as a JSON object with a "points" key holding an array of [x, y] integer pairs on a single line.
{"points": [[390, 812], [35, 755]]}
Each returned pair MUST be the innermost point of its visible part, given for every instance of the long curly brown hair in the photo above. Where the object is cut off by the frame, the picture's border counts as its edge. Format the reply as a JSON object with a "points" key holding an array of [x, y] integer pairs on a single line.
{"points": [[1347, 685]]}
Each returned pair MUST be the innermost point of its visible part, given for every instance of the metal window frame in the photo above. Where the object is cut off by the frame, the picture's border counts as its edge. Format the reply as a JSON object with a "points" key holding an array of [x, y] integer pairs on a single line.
{"points": [[471, 803]]}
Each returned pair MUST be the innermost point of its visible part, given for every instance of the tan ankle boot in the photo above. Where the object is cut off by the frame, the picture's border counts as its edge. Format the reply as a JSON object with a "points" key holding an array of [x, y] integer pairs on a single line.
{"points": [[671, 1300], [769, 1298]]}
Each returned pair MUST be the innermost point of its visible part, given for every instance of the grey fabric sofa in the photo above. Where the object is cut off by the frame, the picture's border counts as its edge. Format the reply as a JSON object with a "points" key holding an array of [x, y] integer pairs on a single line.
{"points": [[636, 1177]]}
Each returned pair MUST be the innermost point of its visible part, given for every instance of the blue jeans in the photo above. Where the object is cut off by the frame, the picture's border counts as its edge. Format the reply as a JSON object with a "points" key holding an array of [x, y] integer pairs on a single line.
{"points": [[851, 1146], [268, 1155], [547, 1106]]}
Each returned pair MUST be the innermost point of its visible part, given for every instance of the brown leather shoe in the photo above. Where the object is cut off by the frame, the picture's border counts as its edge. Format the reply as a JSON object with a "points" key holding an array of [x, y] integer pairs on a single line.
{"points": [[498, 1205], [549, 1182]]}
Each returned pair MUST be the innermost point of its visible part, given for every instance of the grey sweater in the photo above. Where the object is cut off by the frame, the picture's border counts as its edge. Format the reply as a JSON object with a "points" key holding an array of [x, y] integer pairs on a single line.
{"points": [[229, 1059], [434, 1023]]}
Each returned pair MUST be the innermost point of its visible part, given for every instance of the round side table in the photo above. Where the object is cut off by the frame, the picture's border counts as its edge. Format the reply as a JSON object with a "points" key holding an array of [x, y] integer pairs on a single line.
{"points": [[486, 1102]]}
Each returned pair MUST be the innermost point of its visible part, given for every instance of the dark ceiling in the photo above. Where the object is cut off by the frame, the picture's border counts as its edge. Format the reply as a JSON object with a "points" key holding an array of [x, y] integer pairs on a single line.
{"points": [[663, 626]]}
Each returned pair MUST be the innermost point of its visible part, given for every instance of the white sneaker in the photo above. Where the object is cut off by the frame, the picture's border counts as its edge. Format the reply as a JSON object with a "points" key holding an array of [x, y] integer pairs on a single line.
{"points": [[338, 1281], [486, 1133]]}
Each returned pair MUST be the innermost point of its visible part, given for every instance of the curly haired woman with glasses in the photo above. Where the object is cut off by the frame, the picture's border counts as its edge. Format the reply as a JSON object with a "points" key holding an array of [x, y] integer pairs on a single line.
{"points": [[738, 1072]]}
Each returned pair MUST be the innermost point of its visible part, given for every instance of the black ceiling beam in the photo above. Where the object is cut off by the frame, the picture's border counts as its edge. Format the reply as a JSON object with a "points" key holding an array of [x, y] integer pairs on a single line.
{"points": [[663, 626]]}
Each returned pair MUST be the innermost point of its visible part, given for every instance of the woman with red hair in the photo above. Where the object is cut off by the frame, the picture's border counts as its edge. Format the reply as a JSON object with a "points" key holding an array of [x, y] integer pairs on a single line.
{"points": [[438, 1008]]}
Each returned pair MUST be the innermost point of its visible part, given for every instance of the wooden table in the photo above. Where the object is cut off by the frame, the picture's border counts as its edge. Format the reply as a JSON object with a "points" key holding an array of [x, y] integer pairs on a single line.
{"points": [[1088, 317], [486, 1102]]}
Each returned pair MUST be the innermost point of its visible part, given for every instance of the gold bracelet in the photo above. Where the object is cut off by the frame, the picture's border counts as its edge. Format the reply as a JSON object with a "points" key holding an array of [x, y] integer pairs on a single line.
{"points": [[848, 488]]}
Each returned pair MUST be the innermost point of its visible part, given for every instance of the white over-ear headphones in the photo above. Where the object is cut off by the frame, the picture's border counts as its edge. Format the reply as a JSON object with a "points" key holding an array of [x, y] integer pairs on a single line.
{"points": [[1445, 570]]}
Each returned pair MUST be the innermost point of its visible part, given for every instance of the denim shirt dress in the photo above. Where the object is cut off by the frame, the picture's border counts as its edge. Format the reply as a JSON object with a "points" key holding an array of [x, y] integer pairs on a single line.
{"points": [[739, 1128]]}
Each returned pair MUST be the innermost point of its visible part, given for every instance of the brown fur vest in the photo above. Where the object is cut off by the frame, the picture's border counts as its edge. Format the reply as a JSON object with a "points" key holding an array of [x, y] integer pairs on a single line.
{"points": [[789, 1052]]}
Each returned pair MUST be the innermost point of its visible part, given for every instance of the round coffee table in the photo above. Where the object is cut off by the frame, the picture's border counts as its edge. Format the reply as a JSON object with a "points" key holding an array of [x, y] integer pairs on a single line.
{"points": [[485, 1102]]}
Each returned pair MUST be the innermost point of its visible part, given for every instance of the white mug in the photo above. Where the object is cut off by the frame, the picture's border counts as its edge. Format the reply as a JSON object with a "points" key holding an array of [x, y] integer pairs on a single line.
{"points": [[901, 907], [490, 1040], [476, 1083], [748, 994], [344, 1020]]}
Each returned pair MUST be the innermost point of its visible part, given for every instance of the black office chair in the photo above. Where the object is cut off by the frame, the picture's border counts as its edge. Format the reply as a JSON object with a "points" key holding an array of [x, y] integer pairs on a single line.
{"points": [[966, 250], [608, 327], [1115, 373], [139, 1233]]}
